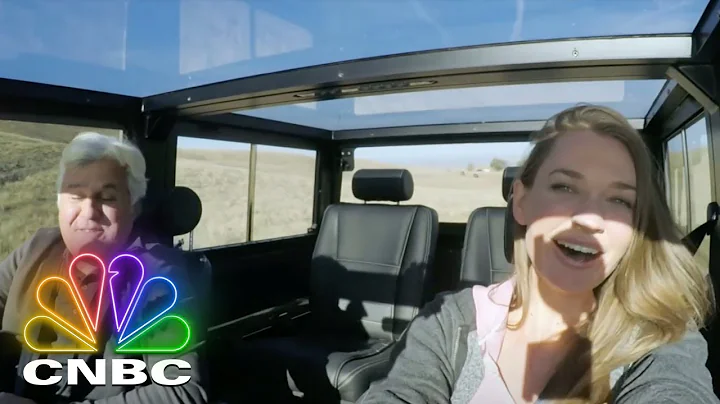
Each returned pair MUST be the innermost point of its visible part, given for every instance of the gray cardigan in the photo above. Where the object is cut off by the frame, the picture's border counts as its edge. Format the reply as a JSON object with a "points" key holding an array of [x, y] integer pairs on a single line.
{"points": [[436, 362]]}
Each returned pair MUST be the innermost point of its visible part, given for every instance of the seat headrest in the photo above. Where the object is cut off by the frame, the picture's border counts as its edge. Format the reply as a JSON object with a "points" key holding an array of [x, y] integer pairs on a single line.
{"points": [[394, 185], [509, 174], [181, 211], [177, 213]]}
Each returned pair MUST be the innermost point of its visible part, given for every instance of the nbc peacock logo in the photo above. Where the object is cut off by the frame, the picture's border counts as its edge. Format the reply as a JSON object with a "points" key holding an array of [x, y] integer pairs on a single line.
{"points": [[141, 310]]}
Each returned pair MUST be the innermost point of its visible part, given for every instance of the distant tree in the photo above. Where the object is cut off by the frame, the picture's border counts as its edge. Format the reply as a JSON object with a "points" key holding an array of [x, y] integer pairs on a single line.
{"points": [[470, 167], [498, 164]]}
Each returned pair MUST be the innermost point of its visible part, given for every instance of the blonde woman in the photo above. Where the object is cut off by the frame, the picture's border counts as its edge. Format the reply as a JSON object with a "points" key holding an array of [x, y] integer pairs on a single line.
{"points": [[605, 302]]}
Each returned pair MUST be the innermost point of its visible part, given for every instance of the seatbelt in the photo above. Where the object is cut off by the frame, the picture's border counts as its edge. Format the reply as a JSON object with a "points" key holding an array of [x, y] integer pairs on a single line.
{"points": [[712, 328], [695, 238]]}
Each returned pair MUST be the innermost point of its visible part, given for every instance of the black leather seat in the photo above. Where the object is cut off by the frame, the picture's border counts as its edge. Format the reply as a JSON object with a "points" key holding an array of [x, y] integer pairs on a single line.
{"points": [[177, 213], [369, 278], [487, 250]]}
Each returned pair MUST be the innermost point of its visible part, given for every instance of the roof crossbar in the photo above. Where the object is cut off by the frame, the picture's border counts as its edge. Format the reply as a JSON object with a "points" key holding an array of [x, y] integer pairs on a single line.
{"points": [[448, 133], [606, 58], [264, 125]]}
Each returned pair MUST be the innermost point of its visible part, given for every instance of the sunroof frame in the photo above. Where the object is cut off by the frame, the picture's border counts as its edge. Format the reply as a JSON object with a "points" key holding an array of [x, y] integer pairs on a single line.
{"points": [[688, 61], [603, 58]]}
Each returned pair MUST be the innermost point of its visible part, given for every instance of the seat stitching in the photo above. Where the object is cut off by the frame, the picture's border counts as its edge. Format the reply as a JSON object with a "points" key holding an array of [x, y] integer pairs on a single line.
{"points": [[337, 238], [359, 369], [365, 354], [464, 248], [489, 242], [368, 262], [428, 237], [398, 272], [407, 236], [372, 321]]}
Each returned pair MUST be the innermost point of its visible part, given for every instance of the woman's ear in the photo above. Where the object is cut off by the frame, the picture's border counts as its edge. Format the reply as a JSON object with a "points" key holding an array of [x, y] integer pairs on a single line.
{"points": [[518, 202]]}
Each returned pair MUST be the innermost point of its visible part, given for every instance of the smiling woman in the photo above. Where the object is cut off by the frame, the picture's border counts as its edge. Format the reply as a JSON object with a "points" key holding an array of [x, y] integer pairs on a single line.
{"points": [[589, 182], [605, 302]]}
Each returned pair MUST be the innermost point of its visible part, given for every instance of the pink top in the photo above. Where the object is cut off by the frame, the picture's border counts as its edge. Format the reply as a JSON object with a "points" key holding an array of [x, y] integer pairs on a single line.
{"points": [[491, 311]]}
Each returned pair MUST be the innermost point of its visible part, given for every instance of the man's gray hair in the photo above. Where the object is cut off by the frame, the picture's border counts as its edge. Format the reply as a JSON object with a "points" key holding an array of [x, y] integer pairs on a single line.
{"points": [[88, 147]]}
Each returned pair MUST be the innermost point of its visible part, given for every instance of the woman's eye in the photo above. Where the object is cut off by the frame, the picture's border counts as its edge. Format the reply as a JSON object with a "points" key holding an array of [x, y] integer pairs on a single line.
{"points": [[623, 202], [561, 187]]}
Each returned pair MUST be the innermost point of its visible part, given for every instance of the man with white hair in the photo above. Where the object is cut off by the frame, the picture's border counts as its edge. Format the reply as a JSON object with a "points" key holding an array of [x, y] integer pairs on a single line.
{"points": [[100, 188]]}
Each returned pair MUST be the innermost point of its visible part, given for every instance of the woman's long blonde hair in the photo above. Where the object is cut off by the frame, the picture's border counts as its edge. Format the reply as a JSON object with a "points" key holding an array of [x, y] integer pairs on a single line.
{"points": [[657, 290]]}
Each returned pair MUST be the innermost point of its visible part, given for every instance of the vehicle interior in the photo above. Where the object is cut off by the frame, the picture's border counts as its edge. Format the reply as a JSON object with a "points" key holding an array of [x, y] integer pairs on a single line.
{"points": [[330, 167]]}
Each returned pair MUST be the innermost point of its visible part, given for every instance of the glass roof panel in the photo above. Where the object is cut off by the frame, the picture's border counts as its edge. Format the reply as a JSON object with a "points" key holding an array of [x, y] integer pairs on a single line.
{"points": [[145, 47], [519, 102]]}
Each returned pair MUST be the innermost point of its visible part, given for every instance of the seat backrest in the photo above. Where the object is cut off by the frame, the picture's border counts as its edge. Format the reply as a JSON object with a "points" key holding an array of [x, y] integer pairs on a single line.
{"points": [[201, 279], [487, 250], [177, 213], [371, 264]]}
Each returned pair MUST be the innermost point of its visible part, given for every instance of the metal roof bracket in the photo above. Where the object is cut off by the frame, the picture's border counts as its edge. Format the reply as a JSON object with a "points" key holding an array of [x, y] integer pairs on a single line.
{"points": [[700, 82]]}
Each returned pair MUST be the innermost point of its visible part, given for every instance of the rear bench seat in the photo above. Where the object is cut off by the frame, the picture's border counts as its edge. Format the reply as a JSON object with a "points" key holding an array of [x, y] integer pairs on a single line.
{"points": [[487, 251], [369, 278]]}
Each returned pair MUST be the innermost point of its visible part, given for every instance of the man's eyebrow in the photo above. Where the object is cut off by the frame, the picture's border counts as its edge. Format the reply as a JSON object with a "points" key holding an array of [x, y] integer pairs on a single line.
{"points": [[75, 185], [574, 174]]}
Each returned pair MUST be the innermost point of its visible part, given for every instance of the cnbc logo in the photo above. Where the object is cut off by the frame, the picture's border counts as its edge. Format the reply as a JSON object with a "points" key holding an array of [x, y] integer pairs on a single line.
{"points": [[143, 323]]}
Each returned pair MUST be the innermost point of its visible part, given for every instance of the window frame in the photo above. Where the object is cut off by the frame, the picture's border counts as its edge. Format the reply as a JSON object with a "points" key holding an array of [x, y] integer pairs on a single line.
{"points": [[686, 174], [682, 132], [198, 130], [252, 181]]}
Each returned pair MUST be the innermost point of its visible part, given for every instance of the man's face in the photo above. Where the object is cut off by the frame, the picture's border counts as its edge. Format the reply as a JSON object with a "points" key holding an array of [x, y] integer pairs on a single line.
{"points": [[95, 210]]}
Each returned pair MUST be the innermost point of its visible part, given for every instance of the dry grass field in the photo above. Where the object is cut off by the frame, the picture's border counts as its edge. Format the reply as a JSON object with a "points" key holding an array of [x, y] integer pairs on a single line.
{"points": [[284, 193], [452, 194], [29, 154]]}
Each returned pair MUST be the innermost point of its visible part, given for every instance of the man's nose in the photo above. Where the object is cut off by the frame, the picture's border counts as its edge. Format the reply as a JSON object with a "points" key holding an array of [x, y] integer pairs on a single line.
{"points": [[88, 208]]}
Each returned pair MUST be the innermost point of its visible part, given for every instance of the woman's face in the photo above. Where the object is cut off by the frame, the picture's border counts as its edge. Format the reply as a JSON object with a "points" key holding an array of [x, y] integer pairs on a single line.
{"points": [[579, 211]]}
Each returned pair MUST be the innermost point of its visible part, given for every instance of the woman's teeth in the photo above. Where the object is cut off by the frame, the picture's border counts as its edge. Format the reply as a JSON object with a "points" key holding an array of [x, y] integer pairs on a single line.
{"points": [[579, 248]]}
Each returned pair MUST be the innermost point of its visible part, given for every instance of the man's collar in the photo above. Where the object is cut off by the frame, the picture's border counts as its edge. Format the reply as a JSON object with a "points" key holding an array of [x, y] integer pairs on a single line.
{"points": [[140, 240], [67, 258], [135, 241]]}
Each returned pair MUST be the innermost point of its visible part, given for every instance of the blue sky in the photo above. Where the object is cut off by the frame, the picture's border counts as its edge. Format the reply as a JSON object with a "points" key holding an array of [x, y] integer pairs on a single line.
{"points": [[145, 47]]}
